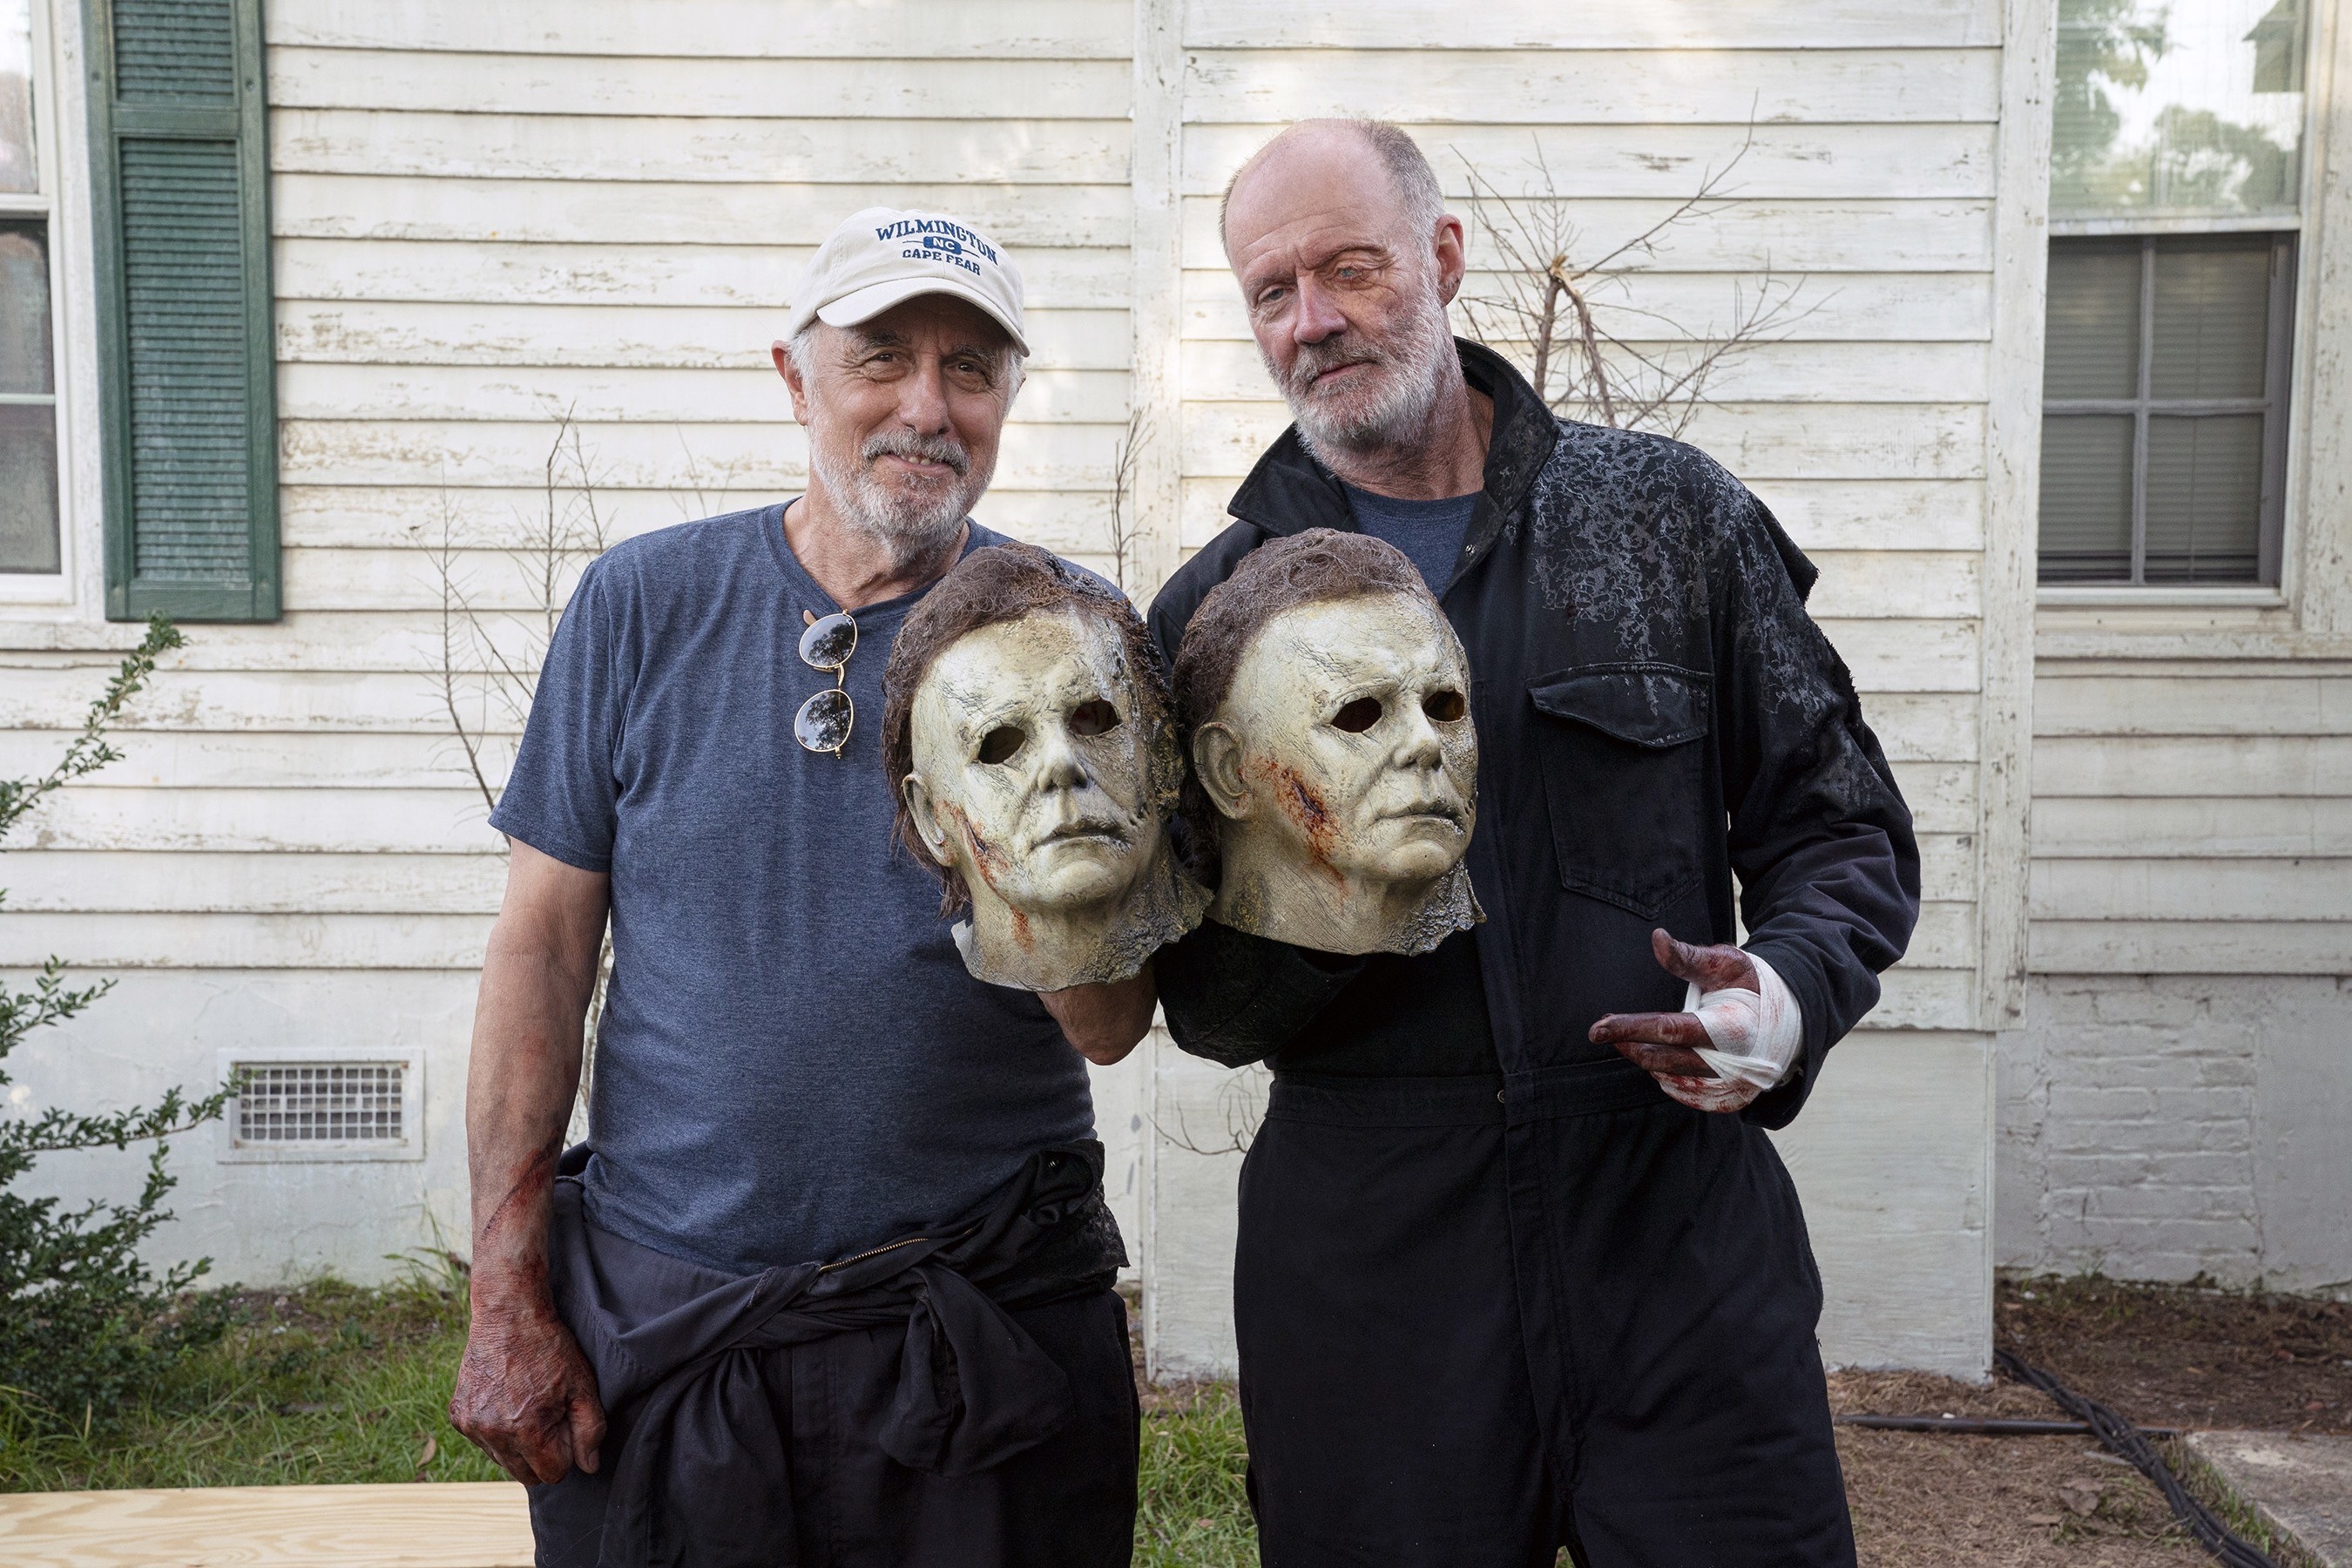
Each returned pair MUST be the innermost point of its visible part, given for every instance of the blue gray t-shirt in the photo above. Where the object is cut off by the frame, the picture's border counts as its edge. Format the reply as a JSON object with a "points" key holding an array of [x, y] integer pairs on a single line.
{"points": [[1430, 532], [793, 1063]]}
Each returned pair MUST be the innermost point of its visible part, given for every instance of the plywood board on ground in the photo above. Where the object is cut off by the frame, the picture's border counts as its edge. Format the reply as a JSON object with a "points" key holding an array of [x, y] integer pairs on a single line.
{"points": [[445, 1526]]}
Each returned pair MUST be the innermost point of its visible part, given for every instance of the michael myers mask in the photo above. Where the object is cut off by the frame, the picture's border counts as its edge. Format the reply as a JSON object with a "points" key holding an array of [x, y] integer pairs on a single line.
{"points": [[1327, 706], [1027, 731]]}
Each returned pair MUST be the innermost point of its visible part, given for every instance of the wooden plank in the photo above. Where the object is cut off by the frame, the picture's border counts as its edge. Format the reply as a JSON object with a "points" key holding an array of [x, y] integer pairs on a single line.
{"points": [[1758, 442], [1858, 585], [1666, 162], [1774, 372], [1923, 726], [89, 942], [2195, 829], [1689, 85], [1819, 514], [1888, 235], [194, 760], [410, 516], [723, 29], [2191, 947], [1946, 937], [354, 820], [2202, 889], [54, 696], [1923, 998], [213, 881], [361, 206], [1942, 796], [727, 85], [693, 396], [1947, 868], [451, 1525], [1851, 307], [644, 278], [1434, 25], [619, 149], [601, 336], [2231, 767], [2240, 702], [2192, 890]]}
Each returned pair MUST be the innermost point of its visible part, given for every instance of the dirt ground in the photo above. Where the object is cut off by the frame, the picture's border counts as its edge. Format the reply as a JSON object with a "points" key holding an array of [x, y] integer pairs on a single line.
{"points": [[2164, 1357]]}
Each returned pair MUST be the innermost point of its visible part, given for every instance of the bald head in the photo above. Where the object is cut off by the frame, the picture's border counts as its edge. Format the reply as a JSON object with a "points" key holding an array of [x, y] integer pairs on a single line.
{"points": [[1364, 154]]}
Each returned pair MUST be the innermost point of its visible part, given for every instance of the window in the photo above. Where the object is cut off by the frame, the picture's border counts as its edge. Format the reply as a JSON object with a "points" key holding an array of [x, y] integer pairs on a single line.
{"points": [[30, 532], [2176, 181], [180, 196]]}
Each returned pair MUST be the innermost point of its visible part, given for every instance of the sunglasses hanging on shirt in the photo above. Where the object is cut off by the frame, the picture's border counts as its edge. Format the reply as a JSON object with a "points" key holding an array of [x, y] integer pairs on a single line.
{"points": [[824, 721]]}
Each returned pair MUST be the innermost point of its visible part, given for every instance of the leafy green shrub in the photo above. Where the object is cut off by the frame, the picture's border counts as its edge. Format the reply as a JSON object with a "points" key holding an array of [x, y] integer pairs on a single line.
{"points": [[83, 1319]]}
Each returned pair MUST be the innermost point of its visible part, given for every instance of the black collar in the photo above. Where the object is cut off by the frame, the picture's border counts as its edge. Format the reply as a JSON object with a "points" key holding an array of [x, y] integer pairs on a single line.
{"points": [[1289, 492]]}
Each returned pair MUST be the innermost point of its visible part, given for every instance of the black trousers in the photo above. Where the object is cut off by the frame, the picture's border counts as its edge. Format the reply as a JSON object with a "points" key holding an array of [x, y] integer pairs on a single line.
{"points": [[1477, 1326], [1069, 1502]]}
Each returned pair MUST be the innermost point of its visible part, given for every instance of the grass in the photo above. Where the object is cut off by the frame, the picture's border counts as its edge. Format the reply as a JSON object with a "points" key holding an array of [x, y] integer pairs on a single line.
{"points": [[332, 1382], [325, 1383]]}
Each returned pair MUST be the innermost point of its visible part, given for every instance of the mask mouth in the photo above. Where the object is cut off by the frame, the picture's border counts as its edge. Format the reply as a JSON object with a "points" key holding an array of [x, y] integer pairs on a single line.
{"points": [[1103, 829], [1442, 810]]}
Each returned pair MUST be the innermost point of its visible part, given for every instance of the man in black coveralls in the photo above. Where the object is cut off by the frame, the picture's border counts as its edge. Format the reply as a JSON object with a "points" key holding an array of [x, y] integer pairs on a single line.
{"points": [[1497, 1288]]}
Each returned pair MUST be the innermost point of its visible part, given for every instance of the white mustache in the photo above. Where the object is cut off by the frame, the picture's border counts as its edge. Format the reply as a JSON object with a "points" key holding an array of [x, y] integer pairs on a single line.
{"points": [[920, 448]]}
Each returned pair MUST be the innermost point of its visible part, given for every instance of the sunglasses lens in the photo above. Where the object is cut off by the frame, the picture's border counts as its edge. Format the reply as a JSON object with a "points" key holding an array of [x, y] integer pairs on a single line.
{"points": [[828, 643], [822, 723]]}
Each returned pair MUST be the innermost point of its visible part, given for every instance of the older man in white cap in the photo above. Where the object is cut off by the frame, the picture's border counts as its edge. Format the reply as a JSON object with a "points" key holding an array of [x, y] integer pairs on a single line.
{"points": [[830, 1280]]}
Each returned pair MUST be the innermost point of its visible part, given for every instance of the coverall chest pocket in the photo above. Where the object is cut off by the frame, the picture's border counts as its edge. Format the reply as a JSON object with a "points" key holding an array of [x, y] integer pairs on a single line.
{"points": [[1623, 755]]}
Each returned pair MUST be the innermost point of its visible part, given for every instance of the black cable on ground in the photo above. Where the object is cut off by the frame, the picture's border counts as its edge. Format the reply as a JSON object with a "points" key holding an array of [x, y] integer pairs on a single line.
{"points": [[2127, 1442]]}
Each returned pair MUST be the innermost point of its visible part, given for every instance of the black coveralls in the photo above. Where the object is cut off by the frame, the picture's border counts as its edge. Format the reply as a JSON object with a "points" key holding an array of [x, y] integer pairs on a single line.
{"points": [[1495, 1292]]}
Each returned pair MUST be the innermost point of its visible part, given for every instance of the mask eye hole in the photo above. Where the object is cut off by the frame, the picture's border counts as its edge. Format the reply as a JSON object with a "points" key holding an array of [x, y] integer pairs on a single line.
{"points": [[999, 744], [1444, 706], [1358, 716], [1093, 717]]}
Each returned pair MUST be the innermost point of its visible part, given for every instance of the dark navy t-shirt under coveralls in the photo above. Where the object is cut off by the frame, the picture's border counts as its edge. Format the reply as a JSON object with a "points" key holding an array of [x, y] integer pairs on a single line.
{"points": [[793, 1062]]}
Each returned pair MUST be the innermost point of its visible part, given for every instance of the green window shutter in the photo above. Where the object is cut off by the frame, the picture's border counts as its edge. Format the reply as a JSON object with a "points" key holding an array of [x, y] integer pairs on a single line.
{"points": [[180, 175]]}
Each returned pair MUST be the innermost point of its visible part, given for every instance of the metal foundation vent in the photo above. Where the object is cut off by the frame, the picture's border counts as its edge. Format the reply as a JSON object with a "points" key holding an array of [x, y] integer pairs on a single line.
{"points": [[299, 1104]]}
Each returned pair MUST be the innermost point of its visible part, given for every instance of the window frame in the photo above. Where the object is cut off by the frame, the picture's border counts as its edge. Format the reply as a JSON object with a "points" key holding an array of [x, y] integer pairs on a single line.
{"points": [[49, 204], [2287, 374], [2273, 406]]}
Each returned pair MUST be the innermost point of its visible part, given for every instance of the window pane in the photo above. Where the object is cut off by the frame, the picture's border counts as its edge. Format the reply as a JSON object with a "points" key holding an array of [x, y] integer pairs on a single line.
{"points": [[2204, 498], [17, 170], [28, 487], [2178, 106], [2086, 497], [24, 307], [2212, 316], [2093, 349]]}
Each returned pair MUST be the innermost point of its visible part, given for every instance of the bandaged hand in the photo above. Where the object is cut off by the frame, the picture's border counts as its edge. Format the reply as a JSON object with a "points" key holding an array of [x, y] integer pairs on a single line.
{"points": [[1739, 1033]]}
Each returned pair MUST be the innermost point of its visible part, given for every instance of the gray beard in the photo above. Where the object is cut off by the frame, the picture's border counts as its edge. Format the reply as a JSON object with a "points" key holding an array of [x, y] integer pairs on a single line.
{"points": [[1414, 377], [908, 528]]}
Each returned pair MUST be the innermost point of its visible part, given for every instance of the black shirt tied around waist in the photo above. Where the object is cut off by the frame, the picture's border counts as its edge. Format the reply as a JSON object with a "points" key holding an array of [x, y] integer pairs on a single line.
{"points": [[698, 1456]]}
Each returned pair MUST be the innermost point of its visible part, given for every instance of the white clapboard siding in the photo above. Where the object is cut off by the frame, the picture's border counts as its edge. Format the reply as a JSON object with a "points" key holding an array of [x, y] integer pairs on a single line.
{"points": [[1440, 26], [2192, 818], [912, 92], [846, 30], [1597, 86]]}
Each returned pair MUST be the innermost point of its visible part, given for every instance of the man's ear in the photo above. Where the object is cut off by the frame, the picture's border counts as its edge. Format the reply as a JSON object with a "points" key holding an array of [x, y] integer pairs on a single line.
{"points": [[1217, 764], [927, 819], [782, 353], [1452, 261]]}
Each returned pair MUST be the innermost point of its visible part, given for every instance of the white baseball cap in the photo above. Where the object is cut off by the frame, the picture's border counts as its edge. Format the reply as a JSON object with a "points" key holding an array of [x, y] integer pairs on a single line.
{"points": [[880, 257]]}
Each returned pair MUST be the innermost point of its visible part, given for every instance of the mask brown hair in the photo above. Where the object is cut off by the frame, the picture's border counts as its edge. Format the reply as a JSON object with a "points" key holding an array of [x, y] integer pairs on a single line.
{"points": [[995, 584], [1304, 569]]}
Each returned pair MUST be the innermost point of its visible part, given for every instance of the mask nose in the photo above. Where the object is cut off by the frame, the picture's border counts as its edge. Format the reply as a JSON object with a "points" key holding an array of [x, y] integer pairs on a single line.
{"points": [[1417, 743], [1058, 765]]}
